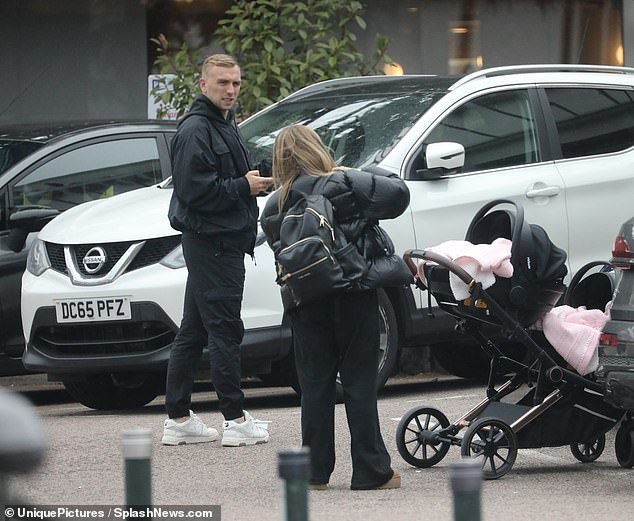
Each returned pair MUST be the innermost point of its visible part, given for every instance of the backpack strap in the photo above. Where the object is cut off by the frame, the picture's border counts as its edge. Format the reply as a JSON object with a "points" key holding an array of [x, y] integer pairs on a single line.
{"points": [[295, 193], [317, 186]]}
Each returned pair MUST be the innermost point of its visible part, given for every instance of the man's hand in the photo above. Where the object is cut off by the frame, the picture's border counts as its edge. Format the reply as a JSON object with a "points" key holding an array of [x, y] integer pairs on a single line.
{"points": [[258, 184]]}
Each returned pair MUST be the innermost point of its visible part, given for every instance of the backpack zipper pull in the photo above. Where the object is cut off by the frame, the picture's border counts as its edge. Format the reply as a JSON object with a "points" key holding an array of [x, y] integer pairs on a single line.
{"points": [[324, 222]]}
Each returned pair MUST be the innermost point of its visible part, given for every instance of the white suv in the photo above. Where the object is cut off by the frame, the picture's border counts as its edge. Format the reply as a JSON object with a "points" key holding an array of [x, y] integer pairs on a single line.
{"points": [[102, 295]]}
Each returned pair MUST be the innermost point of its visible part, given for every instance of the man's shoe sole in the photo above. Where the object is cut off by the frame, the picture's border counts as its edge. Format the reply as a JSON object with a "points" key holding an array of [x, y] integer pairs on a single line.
{"points": [[243, 442], [174, 440]]}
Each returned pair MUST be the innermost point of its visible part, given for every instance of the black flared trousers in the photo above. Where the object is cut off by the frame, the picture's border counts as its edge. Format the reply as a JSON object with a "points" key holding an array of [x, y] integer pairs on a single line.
{"points": [[341, 334]]}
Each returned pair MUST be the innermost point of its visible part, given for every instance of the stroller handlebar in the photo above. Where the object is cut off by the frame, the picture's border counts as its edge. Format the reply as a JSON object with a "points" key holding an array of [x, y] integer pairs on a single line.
{"points": [[438, 259]]}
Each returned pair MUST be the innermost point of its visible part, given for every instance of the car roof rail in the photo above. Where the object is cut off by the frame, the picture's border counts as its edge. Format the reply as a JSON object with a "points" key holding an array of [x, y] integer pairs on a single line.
{"points": [[555, 67]]}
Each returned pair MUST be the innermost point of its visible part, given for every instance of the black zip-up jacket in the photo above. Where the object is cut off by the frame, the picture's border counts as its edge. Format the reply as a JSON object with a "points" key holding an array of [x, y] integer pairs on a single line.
{"points": [[359, 200], [211, 195]]}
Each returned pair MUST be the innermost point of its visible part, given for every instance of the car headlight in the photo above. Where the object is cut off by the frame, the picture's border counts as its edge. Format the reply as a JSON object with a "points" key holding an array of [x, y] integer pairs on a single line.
{"points": [[174, 259], [37, 261]]}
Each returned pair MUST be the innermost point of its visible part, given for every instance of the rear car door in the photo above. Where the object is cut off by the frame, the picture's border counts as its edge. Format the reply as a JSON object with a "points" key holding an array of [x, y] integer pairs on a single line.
{"points": [[595, 130]]}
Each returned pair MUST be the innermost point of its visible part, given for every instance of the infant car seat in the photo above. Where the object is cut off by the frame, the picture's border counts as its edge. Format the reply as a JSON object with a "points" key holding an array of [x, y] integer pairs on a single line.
{"points": [[591, 290], [539, 267]]}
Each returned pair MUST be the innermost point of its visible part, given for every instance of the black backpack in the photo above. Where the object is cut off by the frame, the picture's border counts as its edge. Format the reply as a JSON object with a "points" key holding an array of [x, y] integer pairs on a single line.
{"points": [[315, 259]]}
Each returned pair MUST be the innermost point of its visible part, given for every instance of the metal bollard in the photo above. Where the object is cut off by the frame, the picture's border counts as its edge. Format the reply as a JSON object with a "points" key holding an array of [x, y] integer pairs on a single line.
{"points": [[137, 453], [465, 477], [294, 469]]}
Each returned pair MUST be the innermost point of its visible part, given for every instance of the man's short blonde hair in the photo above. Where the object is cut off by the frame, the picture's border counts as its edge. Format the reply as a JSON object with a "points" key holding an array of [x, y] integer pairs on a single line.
{"points": [[220, 60]]}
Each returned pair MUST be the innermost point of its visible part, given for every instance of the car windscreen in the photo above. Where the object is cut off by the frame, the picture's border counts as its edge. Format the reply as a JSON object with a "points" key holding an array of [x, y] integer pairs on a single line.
{"points": [[358, 129], [12, 151]]}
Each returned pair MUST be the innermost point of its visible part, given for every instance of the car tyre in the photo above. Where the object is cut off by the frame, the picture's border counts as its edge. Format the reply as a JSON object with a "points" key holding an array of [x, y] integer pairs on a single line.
{"points": [[388, 345], [116, 392]]}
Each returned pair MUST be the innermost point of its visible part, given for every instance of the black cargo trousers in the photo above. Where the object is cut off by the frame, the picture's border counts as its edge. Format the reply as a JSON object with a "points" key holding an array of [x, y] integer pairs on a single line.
{"points": [[211, 316], [341, 334]]}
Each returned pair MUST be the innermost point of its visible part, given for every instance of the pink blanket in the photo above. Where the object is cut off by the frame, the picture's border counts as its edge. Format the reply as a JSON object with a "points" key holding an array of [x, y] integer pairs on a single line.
{"points": [[574, 333], [482, 261]]}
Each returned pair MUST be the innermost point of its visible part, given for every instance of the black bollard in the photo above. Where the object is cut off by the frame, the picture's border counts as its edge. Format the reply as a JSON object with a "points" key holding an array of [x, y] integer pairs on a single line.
{"points": [[294, 469], [137, 453], [465, 477], [22, 440]]}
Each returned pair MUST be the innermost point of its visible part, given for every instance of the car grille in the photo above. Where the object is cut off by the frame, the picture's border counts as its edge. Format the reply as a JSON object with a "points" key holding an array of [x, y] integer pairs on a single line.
{"points": [[616, 361], [152, 252], [148, 331]]}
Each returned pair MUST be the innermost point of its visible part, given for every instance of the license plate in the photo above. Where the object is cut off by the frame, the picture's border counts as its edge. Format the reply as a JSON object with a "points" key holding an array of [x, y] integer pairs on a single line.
{"points": [[93, 309]]}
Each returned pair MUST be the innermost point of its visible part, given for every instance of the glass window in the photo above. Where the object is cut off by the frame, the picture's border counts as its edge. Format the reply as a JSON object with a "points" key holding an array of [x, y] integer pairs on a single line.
{"points": [[497, 131], [92, 172], [12, 151], [360, 125], [592, 121], [3, 214]]}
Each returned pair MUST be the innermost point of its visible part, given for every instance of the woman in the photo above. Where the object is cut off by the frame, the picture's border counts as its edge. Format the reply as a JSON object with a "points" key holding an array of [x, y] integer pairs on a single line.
{"points": [[340, 333]]}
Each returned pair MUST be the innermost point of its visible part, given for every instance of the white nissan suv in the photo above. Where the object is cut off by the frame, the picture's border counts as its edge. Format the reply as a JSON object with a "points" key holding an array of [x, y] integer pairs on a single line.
{"points": [[102, 294]]}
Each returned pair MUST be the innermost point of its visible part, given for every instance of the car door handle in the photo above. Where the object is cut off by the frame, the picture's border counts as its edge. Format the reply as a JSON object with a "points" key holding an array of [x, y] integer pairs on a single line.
{"points": [[544, 191]]}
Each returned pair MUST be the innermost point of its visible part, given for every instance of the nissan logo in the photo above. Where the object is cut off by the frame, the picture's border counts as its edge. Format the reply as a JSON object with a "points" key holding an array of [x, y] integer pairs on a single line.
{"points": [[94, 259]]}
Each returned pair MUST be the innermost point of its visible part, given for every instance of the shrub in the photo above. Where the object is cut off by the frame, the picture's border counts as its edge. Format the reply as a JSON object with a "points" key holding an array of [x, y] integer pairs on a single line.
{"points": [[281, 46]]}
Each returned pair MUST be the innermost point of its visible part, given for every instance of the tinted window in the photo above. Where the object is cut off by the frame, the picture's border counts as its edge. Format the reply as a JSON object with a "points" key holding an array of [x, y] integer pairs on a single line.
{"points": [[359, 129], [92, 172], [497, 130], [12, 151], [3, 210], [592, 121]]}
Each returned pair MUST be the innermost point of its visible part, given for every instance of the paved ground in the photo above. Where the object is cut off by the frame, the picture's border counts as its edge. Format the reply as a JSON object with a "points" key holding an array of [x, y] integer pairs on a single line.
{"points": [[84, 464]]}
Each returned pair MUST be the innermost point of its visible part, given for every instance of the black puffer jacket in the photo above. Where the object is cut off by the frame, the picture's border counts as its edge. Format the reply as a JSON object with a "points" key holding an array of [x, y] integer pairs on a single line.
{"points": [[359, 199], [211, 195]]}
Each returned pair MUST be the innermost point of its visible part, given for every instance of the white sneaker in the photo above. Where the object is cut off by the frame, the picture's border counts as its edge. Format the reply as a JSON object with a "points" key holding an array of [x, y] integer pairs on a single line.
{"points": [[190, 431], [250, 432]]}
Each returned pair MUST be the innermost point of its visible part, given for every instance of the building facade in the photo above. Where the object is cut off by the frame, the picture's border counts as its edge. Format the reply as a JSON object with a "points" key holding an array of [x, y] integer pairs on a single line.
{"points": [[64, 60]]}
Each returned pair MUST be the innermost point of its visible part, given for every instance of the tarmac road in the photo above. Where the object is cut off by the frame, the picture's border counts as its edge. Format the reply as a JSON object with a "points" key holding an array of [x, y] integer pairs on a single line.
{"points": [[84, 465]]}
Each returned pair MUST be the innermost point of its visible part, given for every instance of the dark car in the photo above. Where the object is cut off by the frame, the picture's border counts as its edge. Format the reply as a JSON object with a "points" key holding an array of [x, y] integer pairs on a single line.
{"points": [[46, 169], [616, 349], [616, 346]]}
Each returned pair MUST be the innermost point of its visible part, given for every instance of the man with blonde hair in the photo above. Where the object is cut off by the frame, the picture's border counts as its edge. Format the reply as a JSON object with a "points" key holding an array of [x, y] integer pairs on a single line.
{"points": [[213, 205]]}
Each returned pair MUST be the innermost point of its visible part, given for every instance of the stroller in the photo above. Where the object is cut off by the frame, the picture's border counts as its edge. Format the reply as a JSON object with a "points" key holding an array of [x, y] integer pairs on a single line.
{"points": [[542, 403]]}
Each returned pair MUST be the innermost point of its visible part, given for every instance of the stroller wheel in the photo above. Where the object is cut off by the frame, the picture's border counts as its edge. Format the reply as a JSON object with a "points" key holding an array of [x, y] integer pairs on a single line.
{"points": [[494, 442], [624, 447], [588, 452], [418, 437]]}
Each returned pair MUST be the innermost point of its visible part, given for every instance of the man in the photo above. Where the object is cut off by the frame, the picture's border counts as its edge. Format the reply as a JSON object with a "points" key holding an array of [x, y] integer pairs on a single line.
{"points": [[214, 207]]}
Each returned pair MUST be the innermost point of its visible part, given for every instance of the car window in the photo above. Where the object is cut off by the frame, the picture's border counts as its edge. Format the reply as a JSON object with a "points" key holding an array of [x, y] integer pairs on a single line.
{"points": [[11, 151], [91, 172], [3, 210], [592, 121], [359, 129], [497, 130]]}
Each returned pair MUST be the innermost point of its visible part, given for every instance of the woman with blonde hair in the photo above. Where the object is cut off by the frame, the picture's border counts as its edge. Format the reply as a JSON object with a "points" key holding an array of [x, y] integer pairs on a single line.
{"points": [[339, 333]]}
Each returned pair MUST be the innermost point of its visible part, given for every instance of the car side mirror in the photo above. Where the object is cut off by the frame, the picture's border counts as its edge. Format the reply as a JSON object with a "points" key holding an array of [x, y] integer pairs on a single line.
{"points": [[442, 159], [27, 219]]}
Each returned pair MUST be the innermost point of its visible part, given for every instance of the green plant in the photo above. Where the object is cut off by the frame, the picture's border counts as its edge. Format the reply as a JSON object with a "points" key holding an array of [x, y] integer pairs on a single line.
{"points": [[281, 46], [179, 90]]}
